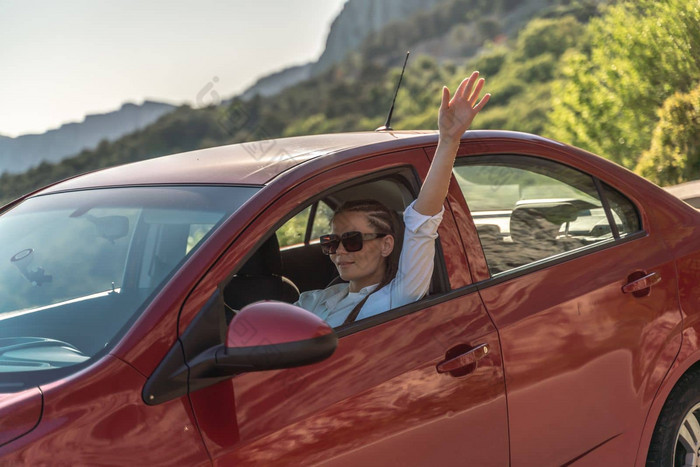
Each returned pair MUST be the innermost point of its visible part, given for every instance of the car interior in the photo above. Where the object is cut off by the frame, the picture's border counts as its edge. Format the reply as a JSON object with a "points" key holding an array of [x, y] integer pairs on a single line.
{"points": [[281, 269], [527, 209], [540, 229]]}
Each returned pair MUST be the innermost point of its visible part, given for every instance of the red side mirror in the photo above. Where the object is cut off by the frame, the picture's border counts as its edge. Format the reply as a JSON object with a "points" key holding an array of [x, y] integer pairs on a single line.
{"points": [[269, 323], [273, 335]]}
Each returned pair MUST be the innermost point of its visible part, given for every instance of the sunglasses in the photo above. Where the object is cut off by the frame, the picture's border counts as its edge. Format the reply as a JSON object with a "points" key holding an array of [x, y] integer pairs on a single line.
{"points": [[352, 241]]}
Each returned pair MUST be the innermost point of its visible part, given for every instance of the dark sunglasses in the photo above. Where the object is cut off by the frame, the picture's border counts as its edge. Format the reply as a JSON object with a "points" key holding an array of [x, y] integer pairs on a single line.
{"points": [[352, 241]]}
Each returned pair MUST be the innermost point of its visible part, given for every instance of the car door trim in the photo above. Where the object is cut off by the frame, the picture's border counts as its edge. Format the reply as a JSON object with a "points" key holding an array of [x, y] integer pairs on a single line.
{"points": [[558, 259], [408, 309]]}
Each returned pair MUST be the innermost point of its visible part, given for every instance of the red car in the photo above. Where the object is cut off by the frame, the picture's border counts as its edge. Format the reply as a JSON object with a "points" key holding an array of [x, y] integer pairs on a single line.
{"points": [[143, 316]]}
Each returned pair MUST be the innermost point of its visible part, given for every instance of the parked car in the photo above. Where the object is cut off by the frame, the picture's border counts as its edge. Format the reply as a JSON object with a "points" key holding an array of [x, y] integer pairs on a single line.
{"points": [[146, 313]]}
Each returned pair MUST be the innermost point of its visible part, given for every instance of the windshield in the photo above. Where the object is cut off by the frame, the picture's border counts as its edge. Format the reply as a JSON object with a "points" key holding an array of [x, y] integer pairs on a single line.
{"points": [[76, 268]]}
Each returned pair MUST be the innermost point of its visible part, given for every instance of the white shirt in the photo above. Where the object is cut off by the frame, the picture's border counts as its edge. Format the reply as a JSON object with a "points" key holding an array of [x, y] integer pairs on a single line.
{"points": [[412, 280]]}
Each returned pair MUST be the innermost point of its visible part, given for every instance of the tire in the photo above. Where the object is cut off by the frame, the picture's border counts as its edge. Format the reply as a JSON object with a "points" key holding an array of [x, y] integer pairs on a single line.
{"points": [[676, 438]]}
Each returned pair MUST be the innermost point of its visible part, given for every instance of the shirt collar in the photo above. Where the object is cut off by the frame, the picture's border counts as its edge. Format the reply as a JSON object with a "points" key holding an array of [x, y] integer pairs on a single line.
{"points": [[333, 300]]}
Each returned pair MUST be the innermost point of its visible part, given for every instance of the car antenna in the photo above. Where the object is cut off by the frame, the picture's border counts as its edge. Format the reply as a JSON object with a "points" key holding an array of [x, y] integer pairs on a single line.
{"points": [[387, 125]]}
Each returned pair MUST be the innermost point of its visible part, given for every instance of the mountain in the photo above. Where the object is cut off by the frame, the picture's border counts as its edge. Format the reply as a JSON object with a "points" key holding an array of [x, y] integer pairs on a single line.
{"points": [[356, 22], [382, 30], [359, 19], [272, 84], [27, 151]]}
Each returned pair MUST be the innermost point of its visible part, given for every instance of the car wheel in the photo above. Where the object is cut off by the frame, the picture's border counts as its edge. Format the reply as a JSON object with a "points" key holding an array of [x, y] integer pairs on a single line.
{"points": [[676, 438]]}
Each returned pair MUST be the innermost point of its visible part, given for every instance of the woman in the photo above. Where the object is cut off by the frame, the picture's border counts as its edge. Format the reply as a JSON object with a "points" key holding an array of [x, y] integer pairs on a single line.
{"points": [[363, 243]]}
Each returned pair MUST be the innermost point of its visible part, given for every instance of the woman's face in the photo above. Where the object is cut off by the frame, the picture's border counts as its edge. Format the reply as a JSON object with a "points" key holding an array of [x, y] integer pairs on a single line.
{"points": [[364, 267]]}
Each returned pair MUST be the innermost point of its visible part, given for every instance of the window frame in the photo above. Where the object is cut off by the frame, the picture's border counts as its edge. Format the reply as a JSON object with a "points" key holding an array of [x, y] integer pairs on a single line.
{"points": [[408, 177]]}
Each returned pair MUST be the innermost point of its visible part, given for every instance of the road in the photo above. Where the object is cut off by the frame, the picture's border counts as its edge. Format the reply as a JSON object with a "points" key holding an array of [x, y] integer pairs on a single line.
{"points": [[688, 192]]}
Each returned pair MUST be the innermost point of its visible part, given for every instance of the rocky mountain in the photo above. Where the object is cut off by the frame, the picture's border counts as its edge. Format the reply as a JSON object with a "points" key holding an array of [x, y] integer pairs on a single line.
{"points": [[357, 21], [275, 82], [27, 151]]}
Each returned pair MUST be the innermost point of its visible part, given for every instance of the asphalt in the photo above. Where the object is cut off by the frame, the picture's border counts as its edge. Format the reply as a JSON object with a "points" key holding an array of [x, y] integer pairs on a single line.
{"points": [[688, 192]]}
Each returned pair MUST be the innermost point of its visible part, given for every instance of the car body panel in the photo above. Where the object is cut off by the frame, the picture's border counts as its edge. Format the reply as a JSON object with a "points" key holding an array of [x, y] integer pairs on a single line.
{"points": [[368, 399], [253, 163], [260, 162], [20, 413], [88, 422], [371, 401], [684, 239], [559, 348], [547, 345]]}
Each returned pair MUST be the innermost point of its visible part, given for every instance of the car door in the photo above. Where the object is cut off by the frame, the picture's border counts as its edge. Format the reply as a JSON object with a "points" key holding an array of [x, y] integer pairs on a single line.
{"points": [[583, 293], [417, 385]]}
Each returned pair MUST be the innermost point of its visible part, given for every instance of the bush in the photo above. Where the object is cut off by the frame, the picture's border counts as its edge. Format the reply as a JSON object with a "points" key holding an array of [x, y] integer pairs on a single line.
{"points": [[674, 156]]}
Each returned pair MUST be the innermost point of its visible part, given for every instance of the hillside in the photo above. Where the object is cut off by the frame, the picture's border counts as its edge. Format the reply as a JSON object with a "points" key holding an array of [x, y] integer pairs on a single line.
{"points": [[358, 20], [27, 151], [517, 49]]}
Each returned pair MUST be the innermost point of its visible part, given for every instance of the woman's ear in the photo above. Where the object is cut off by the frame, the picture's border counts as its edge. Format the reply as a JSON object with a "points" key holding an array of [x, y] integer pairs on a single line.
{"points": [[387, 245]]}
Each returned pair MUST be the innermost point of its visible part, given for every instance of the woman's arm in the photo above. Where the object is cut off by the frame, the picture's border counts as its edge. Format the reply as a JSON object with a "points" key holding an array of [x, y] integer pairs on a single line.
{"points": [[454, 118]]}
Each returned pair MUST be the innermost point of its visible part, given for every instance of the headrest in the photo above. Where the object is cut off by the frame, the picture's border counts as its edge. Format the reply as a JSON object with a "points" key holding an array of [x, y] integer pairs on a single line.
{"points": [[488, 230], [265, 261], [540, 221]]}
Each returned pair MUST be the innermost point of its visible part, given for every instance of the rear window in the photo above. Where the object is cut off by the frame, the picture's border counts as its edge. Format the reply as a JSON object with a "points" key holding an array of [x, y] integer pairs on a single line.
{"points": [[528, 209]]}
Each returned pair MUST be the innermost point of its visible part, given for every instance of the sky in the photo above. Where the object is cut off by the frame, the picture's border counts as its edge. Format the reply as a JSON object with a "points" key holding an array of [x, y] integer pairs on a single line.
{"points": [[62, 60]]}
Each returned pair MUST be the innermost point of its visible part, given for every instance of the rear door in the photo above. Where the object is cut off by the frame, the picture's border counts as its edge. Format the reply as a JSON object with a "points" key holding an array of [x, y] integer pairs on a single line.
{"points": [[583, 294], [380, 399]]}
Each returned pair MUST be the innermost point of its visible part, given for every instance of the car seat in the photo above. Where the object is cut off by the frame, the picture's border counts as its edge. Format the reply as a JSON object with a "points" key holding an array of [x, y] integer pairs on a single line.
{"points": [[260, 278], [534, 230]]}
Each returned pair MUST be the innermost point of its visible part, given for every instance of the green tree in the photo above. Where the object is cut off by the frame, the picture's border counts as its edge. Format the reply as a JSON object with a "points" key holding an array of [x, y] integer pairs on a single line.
{"points": [[548, 35], [674, 155], [638, 54], [521, 87]]}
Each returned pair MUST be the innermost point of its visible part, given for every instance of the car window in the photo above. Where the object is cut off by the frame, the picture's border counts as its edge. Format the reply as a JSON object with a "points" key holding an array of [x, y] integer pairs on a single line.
{"points": [[295, 230], [76, 267], [527, 209], [623, 211], [290, 261], [322, 221]]}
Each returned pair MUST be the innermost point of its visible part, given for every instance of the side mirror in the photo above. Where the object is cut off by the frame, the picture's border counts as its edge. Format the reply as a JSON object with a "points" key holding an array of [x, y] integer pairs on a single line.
{"points": [[274, 335], [262, 336]]}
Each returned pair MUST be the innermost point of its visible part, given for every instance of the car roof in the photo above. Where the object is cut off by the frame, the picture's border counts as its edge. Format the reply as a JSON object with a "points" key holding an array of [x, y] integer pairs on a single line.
{"points": [[256, 163]]}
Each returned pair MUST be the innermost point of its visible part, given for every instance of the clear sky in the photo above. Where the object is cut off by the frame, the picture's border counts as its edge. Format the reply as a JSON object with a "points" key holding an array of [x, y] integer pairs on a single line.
{"points": [[61, 60]]}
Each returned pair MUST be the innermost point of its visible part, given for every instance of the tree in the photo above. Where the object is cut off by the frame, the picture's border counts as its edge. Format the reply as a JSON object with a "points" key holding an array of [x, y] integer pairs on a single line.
{"points": [[674, 155], [548, 35], [639, 53]]}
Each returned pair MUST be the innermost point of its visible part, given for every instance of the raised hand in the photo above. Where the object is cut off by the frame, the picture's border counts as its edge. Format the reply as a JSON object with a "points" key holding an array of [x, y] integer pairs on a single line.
{"points": [[456, 114], [454, 118]]}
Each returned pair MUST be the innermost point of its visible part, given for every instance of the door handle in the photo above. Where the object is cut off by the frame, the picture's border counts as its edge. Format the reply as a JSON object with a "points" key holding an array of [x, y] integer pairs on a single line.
{"points": [[467, 358], [640, 282]]}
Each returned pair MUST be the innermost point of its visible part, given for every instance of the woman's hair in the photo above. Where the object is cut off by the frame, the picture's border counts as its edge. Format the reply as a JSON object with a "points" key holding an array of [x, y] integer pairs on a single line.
{"points": [[384, 221]]}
